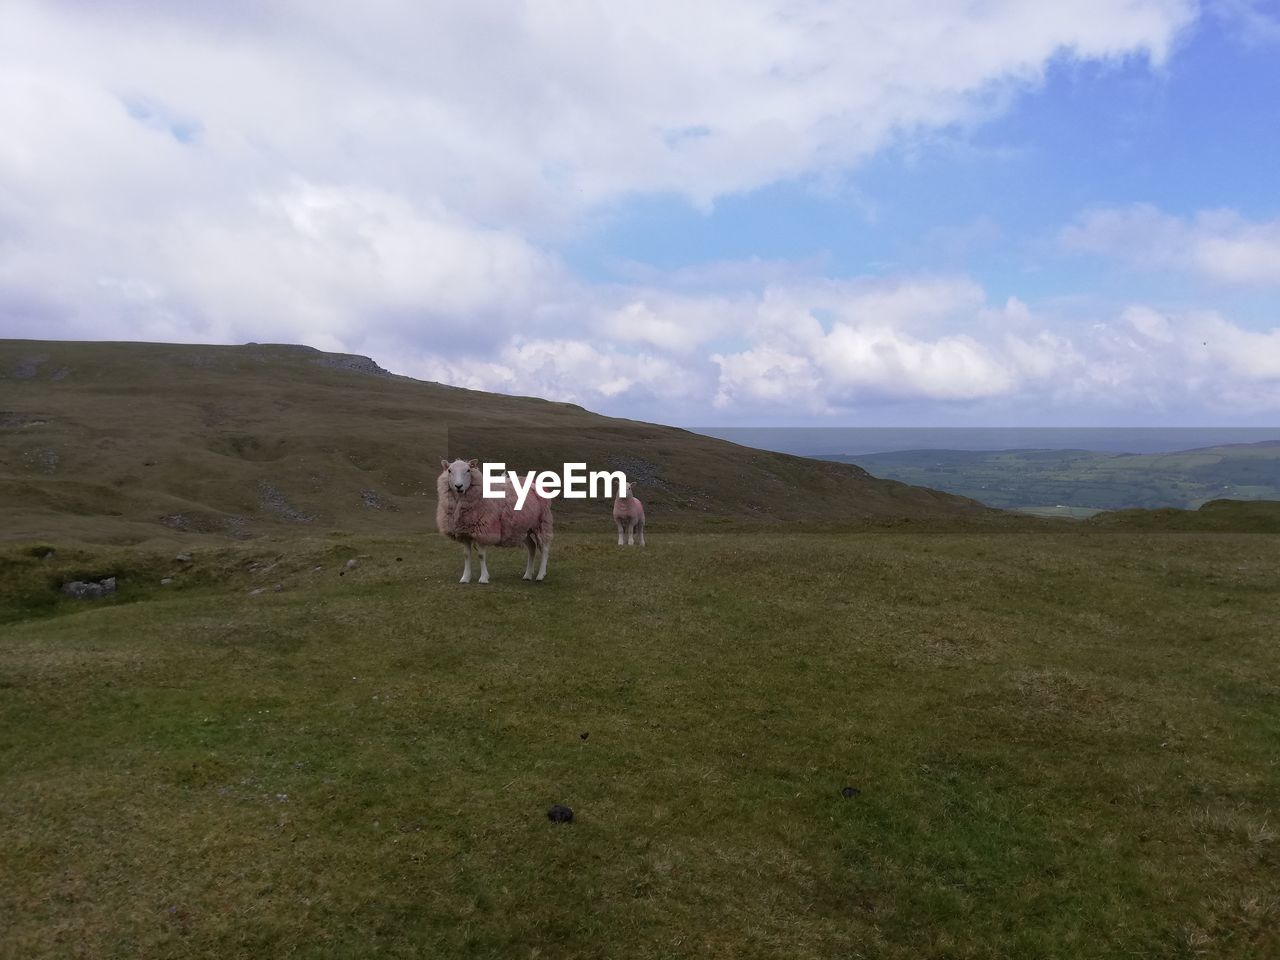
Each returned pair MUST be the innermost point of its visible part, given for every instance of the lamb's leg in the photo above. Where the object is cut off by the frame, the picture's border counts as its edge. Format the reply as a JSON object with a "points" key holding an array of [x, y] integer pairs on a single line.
{"points": [[620, 529], [466, 563], [542, 570], [484, 566], [640, 530], [631, 533], [528, 566]]}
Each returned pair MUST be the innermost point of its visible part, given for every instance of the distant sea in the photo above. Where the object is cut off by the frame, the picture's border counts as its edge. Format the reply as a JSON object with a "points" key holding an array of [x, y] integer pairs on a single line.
{"points": [[855, 441]]}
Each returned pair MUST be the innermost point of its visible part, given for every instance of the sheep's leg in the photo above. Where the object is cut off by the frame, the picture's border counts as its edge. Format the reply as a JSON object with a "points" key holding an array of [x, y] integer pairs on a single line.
{"points": [[466, 563], [484, 566], [631, 533], [528, 567], [620, 529], [542, 570], [640, 530]]}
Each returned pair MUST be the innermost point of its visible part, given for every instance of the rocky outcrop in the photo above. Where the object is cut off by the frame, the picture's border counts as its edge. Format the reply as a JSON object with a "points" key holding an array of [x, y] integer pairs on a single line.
{"points": [[89, 589]]}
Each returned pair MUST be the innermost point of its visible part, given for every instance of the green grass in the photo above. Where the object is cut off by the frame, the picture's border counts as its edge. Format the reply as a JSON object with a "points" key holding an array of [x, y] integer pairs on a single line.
{"points": [[1065, 735], [1065, 741]]}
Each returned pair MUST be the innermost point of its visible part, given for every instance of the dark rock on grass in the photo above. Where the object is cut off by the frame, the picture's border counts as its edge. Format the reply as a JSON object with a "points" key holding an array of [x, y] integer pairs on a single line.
{"points": [[375, 500], [89, 589], [849, 792], [560, 814], [27, 367], [584, 734], [272, 499], [399, 559], [44, 460], [351, 362]]}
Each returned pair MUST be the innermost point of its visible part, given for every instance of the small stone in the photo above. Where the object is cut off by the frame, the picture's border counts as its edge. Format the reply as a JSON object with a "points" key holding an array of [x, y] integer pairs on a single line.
{"points": [[560, 814], [342, 573], [278, 587], [183, 558], [399, 559], [88, 590], [351, 564], [257, 590], [849, 792], [165, 581], [584, 734]]}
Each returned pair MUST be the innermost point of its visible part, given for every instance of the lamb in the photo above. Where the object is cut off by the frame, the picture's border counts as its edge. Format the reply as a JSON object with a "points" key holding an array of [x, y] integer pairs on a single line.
{"points": [[465, 515], [628, 514]]}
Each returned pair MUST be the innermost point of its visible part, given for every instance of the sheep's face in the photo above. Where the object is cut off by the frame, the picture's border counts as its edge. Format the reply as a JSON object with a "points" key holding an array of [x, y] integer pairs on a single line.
{"points": [[459, 473], [631, 491]]}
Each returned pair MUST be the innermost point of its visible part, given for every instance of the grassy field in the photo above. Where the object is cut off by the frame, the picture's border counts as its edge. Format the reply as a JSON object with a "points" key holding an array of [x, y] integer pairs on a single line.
{"points": [[313, 742], [1045, 481], [1065, 742]]}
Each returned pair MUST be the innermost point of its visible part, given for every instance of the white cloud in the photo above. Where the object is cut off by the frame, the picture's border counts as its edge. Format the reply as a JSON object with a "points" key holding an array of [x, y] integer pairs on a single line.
{"points": [[134, 122], [675, 323], [820, 350], [1217, 244], [572, 371], [401, 176], [770, 377], [322, 265], [514, 110]]}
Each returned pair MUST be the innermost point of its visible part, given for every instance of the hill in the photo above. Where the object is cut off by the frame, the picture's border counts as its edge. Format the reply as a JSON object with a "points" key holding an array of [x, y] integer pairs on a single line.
{"points": [[1216, 516], [1084, 480], [119, 442]]}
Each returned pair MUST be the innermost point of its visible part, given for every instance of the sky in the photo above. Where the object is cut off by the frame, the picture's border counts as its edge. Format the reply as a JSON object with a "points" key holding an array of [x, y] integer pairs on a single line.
{"points": [[734, 212]]}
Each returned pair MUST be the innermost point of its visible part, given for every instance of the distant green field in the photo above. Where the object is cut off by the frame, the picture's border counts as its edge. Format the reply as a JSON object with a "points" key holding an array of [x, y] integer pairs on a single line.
{"points": [[1064, 743], [1046, 481]]}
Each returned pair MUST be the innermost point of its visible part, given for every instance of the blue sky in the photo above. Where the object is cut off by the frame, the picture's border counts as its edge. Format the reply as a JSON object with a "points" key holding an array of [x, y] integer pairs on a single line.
{"points": [[1202, 132], [758, 212]]}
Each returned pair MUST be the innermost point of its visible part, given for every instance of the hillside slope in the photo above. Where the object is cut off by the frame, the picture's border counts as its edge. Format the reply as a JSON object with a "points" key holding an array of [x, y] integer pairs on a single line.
{"points": [[123, 441], [1216, 516]]}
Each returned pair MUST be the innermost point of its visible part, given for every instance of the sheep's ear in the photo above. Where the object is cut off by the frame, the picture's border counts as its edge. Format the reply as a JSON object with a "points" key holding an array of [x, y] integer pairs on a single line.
{"points": [[444, 463], [473, 464]]}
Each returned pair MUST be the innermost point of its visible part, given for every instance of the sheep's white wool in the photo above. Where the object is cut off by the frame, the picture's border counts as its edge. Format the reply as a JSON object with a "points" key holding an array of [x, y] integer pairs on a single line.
{"points": [[465, 515], [628, 514]]}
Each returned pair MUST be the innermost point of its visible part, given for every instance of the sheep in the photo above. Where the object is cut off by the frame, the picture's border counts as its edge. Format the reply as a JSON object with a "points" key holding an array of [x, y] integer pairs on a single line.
{"points": [[628, 514], [465, 515]]}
